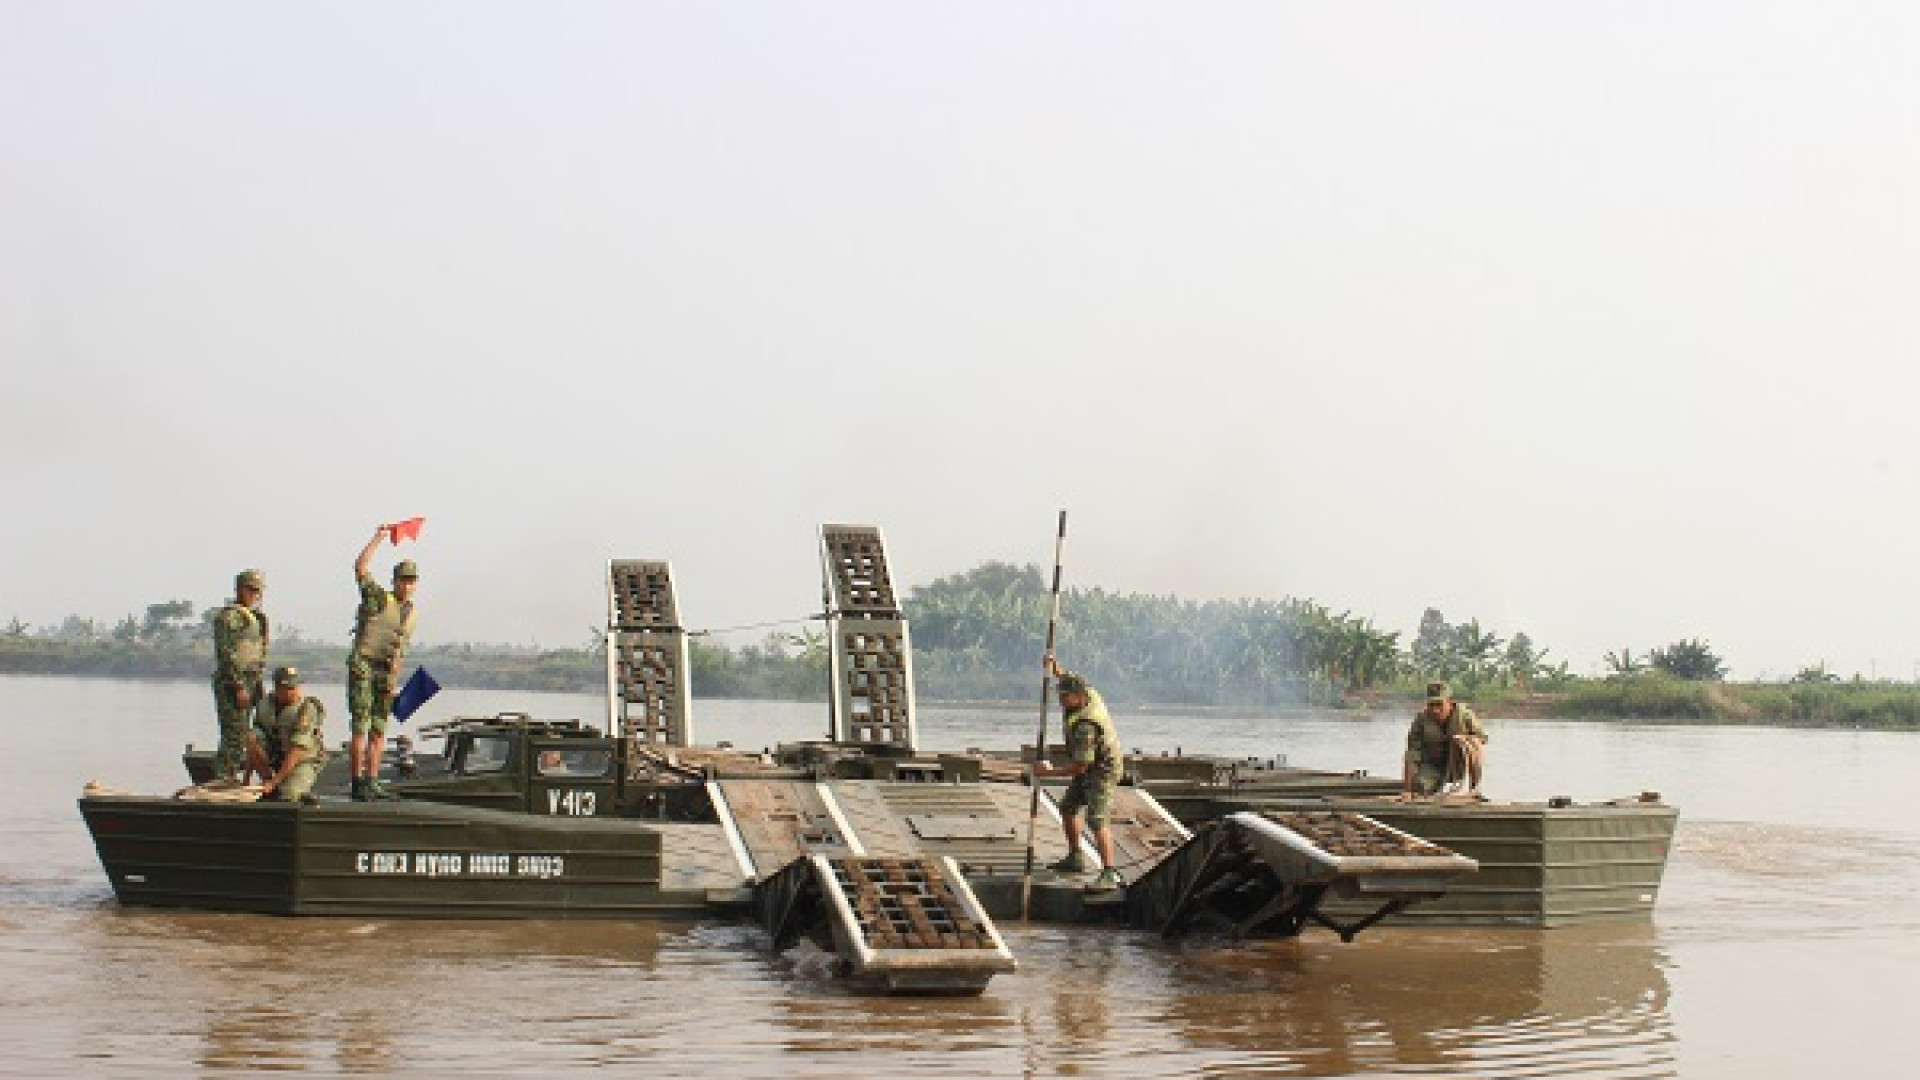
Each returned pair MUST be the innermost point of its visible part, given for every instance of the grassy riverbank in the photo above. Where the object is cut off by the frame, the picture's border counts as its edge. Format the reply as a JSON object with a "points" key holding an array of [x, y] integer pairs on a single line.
{"points": [[1889, 706]]}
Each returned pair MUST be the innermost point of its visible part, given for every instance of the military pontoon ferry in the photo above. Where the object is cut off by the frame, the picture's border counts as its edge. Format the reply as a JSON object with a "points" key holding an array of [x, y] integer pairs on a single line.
{"points": [[896, 858]]}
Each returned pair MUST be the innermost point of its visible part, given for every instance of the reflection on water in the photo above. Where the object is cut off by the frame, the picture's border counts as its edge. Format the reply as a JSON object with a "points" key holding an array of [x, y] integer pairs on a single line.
{"points": [[220, 992], [1763, 893], [1485, 1002]]}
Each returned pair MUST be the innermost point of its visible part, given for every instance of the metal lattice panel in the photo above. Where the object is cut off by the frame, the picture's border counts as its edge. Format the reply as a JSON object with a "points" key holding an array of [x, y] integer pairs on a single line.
{"points": [[871, 657], [641, 593], [649, 701], [907, 904], [857, 577], [874, 684]]}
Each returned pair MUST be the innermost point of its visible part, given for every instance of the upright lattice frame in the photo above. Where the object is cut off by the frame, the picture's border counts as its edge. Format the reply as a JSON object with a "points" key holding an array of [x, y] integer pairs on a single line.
{"points": [[870, 653], [649, 702]]}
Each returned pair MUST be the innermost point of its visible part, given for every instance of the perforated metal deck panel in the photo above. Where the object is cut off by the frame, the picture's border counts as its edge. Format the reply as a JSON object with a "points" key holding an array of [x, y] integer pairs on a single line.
{"points": [[1255, 875], [909, 924], [869, 648], [648, 697]]}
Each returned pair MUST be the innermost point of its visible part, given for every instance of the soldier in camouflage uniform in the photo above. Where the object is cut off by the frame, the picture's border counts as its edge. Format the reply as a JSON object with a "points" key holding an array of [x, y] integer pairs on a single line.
{"points": [[383, 624], [1445, 743], [287, 741], [240, 632], [1095, 770]]}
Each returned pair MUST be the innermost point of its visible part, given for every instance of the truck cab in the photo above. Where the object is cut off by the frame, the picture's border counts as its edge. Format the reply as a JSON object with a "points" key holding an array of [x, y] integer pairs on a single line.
{"points": [[561, 768]]}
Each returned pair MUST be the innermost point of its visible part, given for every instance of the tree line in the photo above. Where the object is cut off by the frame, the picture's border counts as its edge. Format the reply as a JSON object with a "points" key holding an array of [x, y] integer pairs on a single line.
{"points": [[979, 634]]}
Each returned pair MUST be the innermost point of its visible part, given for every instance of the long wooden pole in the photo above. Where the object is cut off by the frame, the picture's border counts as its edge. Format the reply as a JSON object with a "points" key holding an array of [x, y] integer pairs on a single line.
{"points": [[1040, 739]]}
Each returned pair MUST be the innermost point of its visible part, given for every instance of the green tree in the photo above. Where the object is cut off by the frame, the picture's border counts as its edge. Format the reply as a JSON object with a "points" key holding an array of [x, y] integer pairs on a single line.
{"points": [[1478, 651], [1690, 659], [1370, 655], [166, 621], [1434, 646], [1523, 661]]}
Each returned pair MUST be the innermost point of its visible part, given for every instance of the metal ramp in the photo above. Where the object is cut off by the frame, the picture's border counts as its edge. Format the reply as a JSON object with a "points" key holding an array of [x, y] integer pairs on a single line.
{"points": [[1265, 875], [872, 662], [774, 822], [909, 925], [649, 702]]}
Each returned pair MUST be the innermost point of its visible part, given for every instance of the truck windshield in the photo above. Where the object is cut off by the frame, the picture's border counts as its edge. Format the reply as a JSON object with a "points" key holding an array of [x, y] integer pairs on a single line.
{"points": [[486, 754]]}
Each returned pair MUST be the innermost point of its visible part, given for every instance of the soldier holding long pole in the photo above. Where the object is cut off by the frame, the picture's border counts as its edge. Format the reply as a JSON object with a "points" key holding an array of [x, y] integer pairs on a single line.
{"points": [[1095, 765], [1040, 739]]}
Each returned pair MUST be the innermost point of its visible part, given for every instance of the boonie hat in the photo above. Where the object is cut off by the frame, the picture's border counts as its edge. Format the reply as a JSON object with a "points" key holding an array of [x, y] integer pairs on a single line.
{"points": [[286, 676], [1437, 692], [405, 568], [253, 579]]}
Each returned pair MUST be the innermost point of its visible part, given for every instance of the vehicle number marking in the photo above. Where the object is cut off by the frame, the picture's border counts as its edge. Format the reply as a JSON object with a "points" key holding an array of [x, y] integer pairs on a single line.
{"points": [[572, 802]]}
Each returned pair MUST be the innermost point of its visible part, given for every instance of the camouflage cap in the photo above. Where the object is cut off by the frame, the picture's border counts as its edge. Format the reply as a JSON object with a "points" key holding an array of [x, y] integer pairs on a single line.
{"points": [[1070, 683], [1438, 692], [286, 676], [405, 568], [250, 579]]}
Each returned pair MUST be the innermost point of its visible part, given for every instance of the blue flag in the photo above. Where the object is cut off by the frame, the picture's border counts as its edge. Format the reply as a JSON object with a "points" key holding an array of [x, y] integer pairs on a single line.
{"points": [[419, 690]]}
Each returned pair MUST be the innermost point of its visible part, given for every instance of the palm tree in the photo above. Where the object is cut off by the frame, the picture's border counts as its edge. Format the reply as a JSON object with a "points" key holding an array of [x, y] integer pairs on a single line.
{"points": [[1624, 664], [1523, 660], [1478, 649]]}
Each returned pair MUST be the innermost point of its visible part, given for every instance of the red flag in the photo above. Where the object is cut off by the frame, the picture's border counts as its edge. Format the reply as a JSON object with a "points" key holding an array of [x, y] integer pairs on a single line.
{"points": [[405, 530]]}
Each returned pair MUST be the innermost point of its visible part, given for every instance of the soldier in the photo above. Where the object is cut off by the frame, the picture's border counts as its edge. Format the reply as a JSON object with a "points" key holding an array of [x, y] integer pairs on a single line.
{"points": [[383, 624], [1095, 771], [287, 744], [1444, 742], [239, 658]]}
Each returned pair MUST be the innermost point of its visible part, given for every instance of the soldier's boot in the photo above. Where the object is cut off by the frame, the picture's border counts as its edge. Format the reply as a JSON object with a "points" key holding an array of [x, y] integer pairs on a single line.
{"points": [[1072, 864], [360, 792], [1108, 881]]}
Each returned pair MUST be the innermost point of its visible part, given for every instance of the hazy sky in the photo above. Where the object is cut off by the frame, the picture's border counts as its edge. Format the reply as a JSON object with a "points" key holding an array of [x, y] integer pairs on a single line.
{"points": [[1595, 320]]}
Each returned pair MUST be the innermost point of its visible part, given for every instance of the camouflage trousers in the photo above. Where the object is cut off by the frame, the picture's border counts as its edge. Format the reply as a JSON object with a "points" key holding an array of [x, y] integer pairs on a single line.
{"points": [[299, 782], [1095, 795], [369, 697], [235, 722], [1429, 778]]}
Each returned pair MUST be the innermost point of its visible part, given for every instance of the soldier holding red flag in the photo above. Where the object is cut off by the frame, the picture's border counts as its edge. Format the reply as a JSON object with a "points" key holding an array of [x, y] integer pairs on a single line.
{"points": [[383, 625]]}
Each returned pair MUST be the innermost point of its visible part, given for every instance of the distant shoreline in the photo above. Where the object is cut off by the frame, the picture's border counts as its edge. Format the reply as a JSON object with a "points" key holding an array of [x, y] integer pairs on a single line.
{"points": [[1853, 706]]}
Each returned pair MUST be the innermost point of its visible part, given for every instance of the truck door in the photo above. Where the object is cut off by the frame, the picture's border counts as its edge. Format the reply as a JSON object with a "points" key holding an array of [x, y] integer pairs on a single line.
{"points": [[572, 778]]}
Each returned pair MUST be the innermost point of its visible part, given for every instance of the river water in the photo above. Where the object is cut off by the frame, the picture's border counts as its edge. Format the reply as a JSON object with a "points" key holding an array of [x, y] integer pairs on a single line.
{"points": [[1784, 943]]}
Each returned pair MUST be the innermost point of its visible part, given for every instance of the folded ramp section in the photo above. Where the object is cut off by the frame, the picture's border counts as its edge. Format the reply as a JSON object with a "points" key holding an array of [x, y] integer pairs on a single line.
{"points": [[1265, 875], [869, 652], [649, 702], [909, 925], [779, 820]]}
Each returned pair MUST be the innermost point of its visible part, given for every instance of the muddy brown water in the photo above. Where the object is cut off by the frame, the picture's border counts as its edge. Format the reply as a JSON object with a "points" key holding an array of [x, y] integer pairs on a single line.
{"points": [[1784, 943]]}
